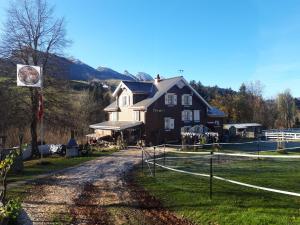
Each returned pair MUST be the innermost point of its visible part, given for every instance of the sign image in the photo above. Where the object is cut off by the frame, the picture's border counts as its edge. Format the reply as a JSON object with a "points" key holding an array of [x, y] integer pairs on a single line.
{"points": [[29, 76]]}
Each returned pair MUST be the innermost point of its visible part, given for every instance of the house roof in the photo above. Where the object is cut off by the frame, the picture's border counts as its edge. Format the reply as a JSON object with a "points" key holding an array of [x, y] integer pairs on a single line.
{"points": [[116, 125], [162, 87], [214, 112], [140, 87], [112, 107], [241, 125], [155, 90]]}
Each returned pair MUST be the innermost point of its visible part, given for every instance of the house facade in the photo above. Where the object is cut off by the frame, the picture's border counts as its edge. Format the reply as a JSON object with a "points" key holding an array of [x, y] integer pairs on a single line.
{"points": [[159, 111]]}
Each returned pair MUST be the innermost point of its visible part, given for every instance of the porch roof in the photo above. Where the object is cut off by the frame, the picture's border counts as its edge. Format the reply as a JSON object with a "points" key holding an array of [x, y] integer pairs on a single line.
{"points": [[115, 125]]}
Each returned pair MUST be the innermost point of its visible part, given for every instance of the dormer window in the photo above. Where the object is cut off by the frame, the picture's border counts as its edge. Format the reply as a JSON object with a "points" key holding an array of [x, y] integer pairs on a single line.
{"points": [[186, 99], [125, 100], [170, 99]]}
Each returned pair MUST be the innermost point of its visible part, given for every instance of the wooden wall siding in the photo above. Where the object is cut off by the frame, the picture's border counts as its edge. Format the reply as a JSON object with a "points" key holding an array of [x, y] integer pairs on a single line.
{"points": [[155, 128]]}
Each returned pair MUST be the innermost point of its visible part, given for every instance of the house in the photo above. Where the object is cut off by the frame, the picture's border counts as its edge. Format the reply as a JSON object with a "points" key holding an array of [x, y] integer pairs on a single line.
{"points": [[249, 130], [158, 111]]}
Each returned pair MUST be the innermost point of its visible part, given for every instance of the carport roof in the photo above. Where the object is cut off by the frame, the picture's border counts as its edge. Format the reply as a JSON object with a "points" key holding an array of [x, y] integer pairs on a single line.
{"points": [[116, 125]]}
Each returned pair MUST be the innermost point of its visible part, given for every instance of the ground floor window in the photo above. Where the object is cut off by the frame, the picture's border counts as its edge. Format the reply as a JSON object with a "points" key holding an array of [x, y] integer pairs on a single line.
{"points": [[169, 123]]}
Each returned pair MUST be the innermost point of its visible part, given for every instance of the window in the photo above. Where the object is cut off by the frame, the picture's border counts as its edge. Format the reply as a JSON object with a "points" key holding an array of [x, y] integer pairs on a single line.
{"points": [[187, 115], [186, 99], [136, 115], [124, 100], [114, 116], [197, 115], [170, 99], [169, 123]]}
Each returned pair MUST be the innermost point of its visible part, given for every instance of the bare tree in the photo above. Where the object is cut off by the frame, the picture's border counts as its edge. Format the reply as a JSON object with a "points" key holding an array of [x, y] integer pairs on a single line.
{"points": [[286, 109], [30, 35]]}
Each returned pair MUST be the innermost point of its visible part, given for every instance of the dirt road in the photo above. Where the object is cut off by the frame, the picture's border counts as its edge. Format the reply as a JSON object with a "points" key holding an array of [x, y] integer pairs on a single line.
{"points": [[96, 192]]}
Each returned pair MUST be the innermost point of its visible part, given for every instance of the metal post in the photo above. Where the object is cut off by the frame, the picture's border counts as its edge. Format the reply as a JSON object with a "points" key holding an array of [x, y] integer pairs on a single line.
{"points": [[211, 175], [164, 154], [154, 163], [142, 159], [258, 147]]}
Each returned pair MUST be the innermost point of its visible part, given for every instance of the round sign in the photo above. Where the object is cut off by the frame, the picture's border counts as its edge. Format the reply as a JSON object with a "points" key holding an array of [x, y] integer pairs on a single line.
{"points": [[29, 75]]}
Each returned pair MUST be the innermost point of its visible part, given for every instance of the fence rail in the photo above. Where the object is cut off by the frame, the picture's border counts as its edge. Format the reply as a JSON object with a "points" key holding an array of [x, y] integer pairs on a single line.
{"points": [[285, 135]]}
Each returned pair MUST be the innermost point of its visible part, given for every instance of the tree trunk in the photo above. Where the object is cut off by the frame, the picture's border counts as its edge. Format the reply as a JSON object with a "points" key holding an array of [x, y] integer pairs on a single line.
{"points": [[33, 125]]}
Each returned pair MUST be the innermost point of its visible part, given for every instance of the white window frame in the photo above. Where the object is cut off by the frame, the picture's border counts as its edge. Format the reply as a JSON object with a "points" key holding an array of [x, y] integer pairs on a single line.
{"points": [[136, 116], [197, 115], [186, 100], [187, 115], [169, 123], [170, 99]]}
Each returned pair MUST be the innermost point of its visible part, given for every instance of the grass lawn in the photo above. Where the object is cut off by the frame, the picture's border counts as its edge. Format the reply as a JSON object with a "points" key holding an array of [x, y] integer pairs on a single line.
{"points": [[188, 195], [33, 168]]}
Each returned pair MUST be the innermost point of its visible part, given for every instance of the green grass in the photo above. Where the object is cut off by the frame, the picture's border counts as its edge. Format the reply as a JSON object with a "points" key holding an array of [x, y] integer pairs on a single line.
{"points": [[188, 195], [33, 168]]}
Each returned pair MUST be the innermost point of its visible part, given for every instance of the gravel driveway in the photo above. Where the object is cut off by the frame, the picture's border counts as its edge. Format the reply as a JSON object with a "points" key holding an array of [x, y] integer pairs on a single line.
{"points": [[95, 192]]}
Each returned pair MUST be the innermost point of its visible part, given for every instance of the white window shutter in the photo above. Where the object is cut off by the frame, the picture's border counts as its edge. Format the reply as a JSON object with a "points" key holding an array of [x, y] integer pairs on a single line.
{"points": [[182, 116], [166, 99], [166, 123], [190, 115], [182, 99], [190, 100], [175, 99], [172, 124]]}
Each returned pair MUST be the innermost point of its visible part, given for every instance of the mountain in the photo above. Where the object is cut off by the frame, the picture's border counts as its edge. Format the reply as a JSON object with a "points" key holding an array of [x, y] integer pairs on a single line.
{"points": [[74, 69], [67, 68], [144, 76], [130, 75]]}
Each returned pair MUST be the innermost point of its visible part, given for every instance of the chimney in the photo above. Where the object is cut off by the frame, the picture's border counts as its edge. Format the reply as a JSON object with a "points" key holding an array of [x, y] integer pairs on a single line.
{"points": [[157, 79]]}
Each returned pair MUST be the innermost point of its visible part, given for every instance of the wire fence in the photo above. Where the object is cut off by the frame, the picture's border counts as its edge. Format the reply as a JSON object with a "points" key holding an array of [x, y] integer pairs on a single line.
{"points": [[250, 164]]}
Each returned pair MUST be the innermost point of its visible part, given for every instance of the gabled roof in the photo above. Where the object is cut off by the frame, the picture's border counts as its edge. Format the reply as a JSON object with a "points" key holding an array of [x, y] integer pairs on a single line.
{"points": [[155, 91], [163, 86]]}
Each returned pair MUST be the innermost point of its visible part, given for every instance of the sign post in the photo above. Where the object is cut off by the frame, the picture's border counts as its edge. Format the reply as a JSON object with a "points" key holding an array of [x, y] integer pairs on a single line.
{"points": [[31, 76]]}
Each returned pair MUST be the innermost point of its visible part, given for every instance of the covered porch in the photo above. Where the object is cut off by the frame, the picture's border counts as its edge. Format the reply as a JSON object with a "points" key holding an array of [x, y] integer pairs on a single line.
{"points": [[129, 132]]}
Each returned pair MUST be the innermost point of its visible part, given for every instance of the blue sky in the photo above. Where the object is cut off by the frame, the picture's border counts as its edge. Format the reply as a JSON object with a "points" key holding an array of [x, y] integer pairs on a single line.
{"points": [[220, 42]]}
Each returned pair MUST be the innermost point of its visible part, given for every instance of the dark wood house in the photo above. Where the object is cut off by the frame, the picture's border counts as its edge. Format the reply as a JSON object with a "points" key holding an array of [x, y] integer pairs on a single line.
{"points": [[159, 111]]}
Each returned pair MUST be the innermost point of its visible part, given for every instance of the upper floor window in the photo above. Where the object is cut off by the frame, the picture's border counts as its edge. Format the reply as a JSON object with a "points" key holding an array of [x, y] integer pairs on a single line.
{"points": [[169, 123], [170, 99], [187, 115], [136, 115], [186, 99], [125, 100], [197, 115]]}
